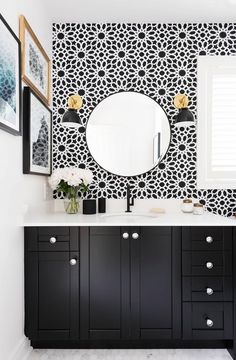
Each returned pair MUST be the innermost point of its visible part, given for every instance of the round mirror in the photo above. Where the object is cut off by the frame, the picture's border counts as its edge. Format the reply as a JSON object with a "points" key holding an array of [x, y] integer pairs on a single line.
{"points": [[128, 133]]}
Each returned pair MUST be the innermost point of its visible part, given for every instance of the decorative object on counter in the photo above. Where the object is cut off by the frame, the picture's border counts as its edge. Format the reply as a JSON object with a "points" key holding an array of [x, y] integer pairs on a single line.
{"points": [[198, 209], [71, 117], [158, 211], [102, 205], [10, 80], [184, 118], [89, 206], [35, 62], [187, 206], [37, 135], [70, 181]]}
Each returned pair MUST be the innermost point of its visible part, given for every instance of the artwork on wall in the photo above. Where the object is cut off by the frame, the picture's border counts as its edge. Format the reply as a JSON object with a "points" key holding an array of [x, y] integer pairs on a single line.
{"points": [[35, 62], [37, 130], [10, 80]]}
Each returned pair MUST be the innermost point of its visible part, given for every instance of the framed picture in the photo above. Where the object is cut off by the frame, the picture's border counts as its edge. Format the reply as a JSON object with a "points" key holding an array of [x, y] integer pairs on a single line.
{"points": [[37, 135], [35, 62], [10, 80]]}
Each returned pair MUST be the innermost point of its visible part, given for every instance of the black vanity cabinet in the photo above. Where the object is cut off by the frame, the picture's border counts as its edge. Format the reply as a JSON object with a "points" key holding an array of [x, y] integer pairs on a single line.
{"points": [[207, 283], [129, 286], [129, 281], [104, 284], [156, 283], [52, 283]]}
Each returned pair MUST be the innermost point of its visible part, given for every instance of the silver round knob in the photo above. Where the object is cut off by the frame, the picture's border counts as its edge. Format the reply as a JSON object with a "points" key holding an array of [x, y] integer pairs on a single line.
{"points": [[209, 323], [125, 235], [209, 291], [53, 240], [209, 239], [73, 262], [135, 236], [209, 265]]}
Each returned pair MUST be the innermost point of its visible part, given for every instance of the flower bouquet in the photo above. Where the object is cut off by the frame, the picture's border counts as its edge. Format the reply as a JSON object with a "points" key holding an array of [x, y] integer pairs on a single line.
{"points": [[70, 180]]}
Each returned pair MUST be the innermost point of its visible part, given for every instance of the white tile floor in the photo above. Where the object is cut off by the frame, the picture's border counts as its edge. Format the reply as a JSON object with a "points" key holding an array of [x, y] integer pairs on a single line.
{"points": [[193, 354]]}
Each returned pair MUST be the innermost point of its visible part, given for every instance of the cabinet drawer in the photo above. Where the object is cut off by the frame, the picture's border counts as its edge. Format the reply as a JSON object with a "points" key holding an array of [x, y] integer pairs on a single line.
{"points": [[52, 238], [207, 289], [206, 263], [198, 233], [208, 320], [54, 230], [58, 238], [53, 242], [207, 238]]}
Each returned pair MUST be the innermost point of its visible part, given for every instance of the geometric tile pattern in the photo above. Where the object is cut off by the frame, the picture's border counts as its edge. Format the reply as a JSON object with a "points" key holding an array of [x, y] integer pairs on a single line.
{"points": [[159, 60]]}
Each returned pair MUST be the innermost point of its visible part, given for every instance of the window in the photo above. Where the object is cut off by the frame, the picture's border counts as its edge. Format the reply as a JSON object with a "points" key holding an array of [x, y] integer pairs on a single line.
{"points": [[216, 128]]}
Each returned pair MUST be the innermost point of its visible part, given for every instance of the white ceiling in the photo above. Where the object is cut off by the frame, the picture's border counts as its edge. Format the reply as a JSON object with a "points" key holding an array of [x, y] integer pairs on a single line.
{"points": [[158, 11]]}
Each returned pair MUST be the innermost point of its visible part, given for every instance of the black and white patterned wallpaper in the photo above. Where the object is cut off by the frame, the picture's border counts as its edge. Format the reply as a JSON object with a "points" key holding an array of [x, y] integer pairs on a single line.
{"points": [[159, 60]]}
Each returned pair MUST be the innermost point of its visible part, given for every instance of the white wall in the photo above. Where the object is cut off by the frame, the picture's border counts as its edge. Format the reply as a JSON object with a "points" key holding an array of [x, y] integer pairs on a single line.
{"points": [[156, 11], [16, 190]]}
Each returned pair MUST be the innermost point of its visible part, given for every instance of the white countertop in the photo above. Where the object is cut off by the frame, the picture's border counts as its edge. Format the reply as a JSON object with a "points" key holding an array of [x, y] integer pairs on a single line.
{"points": [[172, 217]]}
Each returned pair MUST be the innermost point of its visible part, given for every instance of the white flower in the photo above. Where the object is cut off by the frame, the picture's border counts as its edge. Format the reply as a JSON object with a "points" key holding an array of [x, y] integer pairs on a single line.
{"points": [[55, 179], [72, 176]]}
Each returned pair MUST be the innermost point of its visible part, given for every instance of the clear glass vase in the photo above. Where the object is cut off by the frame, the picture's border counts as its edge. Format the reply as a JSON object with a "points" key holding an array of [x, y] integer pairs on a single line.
{"points": [[71, 205]]}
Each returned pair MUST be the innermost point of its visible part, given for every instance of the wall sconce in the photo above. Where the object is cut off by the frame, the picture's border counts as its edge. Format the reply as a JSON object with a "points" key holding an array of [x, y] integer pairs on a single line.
{"points": [[184, 118], [71, 117]]}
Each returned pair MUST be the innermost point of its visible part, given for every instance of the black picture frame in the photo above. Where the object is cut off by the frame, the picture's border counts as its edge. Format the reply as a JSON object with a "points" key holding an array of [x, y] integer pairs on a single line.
{"points": [[4, 124], [30, 96]]}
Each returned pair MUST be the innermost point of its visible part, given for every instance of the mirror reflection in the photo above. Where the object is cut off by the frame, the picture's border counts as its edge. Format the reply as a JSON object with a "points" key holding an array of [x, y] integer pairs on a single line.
{"points": [[128, 133]]}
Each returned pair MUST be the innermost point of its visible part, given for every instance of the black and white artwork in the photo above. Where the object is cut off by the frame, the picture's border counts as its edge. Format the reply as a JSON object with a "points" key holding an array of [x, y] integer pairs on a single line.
{"points": [[35, 62], [10, 79], [159, 60], [36, 135], [36, 67]]}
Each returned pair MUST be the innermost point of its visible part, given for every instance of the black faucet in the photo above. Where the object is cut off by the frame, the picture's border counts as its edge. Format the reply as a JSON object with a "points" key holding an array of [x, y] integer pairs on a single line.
{"points": [[130, 201]]}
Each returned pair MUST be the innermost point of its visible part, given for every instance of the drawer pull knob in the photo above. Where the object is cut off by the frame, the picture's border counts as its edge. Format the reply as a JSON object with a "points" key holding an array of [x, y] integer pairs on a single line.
{"points": [[209, 239], [209, 265], [73, 262], [125, 235], [135, 236], [209, 322], [209, 291], [53, 240]]}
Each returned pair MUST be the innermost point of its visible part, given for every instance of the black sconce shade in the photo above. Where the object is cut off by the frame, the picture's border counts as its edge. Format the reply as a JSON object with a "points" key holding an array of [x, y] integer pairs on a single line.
{"points": [[71, 118], [184, 118]]}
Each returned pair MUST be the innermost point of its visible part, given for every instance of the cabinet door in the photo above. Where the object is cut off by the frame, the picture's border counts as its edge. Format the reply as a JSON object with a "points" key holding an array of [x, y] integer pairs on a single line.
{"points": [[155, 283], [52, 297], [104, 289]]}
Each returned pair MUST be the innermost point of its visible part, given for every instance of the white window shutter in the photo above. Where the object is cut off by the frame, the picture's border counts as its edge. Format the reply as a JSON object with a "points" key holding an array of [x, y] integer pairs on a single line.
{"points": [[216, 123]]}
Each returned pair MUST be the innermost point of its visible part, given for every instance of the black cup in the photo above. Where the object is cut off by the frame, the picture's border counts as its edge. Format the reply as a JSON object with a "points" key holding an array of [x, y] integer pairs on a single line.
{"points": [[89, 207]]}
